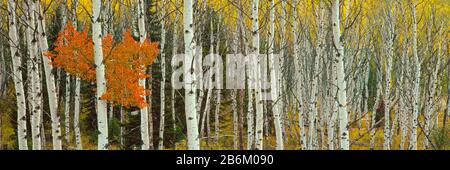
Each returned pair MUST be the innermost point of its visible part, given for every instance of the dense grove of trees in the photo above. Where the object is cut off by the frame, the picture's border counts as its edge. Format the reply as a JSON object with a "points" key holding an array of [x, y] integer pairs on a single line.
{"points": [[100, 74]]}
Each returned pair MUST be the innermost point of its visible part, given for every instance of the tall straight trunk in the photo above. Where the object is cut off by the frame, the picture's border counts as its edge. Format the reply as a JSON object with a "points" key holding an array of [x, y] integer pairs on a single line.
{"points": [[122, 128], [312, 142], [102, 119], [341, 82], [67, 110], [190, 78], [403, 105], [36, 102], [274, 80], [163, 76], [144, 111], [334, 111], [77, 101], [234, 104], [2, 73], [172, 91], [207, 111], [281, 101], [298, 73], [73, 14], [258, 93], [17, 71], [218, 94], [50, 80], [199, 27], [389, 49], [416, 92], [76, 115], [64, 12]]}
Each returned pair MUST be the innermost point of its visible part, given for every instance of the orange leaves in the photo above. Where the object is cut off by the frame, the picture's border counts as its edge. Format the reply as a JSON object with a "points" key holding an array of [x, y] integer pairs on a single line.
{"points": [[125, 63], [74, 52]]}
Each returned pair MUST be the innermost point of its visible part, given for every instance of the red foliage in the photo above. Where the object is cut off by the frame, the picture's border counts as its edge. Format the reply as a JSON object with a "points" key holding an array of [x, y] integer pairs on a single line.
{"points": [[125, 63]]}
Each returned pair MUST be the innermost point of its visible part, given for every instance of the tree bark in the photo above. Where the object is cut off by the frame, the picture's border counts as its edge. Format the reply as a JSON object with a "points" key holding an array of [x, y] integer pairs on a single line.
{"points": [[102, 119], [18, 80], [190, 78]]}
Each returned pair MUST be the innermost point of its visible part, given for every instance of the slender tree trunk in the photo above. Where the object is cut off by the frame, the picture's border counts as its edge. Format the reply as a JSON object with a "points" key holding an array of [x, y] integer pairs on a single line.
{"points": [[312, 142], [298, 74], [341, 82], [274, 84], [102, 119], [122, 128], [77, 101], [17, 71], [36, 89], [218, 94], [258, 93], [144, 111], [67, 110], [416, 92], [76, 115], [50, 81], [174, 52], [163, 81], [389, 48], [190, 78]]}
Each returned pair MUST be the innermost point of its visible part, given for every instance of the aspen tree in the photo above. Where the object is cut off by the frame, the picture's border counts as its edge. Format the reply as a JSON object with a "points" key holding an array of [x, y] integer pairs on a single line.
{"points": [[36, 103], [18, 80], [144, 111], [163, 81], [174, 52], [341, 82], [416, 84], [49, 79], [389, 49], [190, 78], [77, 101], [274, 80], [102, 121]]}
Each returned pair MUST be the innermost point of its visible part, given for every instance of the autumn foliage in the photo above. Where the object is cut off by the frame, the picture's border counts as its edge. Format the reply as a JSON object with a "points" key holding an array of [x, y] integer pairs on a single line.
{"points": [[125, 63]]}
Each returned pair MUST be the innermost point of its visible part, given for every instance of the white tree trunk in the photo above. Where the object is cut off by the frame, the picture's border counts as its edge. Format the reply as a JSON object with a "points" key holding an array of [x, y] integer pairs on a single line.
{"points": [[258, 93], [274, 79], [76, 115], [102, 119], [174, 52], [17, 72], [144, 111], [77, 101], [312, 142], [341, 82], [218, 94], [190, 78], [389, 49], [50, 81], [163, 81], [298, 73], [36, 89], [416, 92], [67, 110]]}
